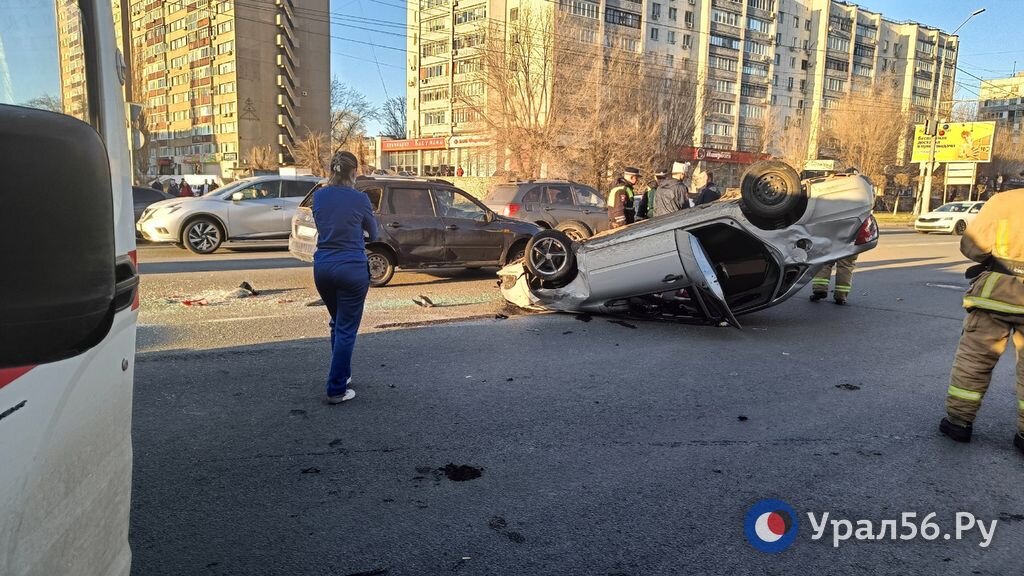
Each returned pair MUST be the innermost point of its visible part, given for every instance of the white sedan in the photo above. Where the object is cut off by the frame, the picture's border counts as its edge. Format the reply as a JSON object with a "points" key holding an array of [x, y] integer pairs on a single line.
{"points": [[951, 218]]}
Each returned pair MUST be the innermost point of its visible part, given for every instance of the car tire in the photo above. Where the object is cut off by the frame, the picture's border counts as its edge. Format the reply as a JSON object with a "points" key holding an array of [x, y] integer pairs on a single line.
{"points": [[550, 257], [959, 228], [576, 231], [202, 236], [772, 193], [382, 266]]}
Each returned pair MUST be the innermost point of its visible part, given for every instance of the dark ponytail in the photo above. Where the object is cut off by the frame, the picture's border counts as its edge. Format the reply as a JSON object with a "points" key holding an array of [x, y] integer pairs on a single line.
{"points": [[343, 167]]}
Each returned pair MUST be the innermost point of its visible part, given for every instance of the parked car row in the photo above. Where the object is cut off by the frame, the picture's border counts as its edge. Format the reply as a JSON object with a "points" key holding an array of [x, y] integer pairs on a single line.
{"points": [[576, 209]]}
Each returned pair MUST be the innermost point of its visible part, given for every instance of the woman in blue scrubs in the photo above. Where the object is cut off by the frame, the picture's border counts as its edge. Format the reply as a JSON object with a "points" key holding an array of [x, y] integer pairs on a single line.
{"points": [[340, 270]]}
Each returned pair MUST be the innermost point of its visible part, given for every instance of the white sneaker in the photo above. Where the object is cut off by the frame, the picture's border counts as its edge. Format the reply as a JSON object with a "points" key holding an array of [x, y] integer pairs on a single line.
{"points": [[348, 395]]}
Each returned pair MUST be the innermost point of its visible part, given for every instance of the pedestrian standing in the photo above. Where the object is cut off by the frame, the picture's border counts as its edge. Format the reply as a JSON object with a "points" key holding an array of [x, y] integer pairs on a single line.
{"points": [[709, 193], [646, 208], [671, 195], [844, 280], [995, 313], [157, 185], [172, 187], [621, 211], [340, 268], [184, 189], [213, 185]]}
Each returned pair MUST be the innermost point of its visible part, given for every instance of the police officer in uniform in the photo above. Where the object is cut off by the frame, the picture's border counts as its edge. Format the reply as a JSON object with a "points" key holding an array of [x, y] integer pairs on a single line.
{"points": [[621, 210], [995, 312]]}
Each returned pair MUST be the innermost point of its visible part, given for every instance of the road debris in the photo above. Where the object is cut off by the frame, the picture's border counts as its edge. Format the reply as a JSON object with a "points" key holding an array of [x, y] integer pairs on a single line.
{"points": [[199, 302], [500, 316], [311, 470], [847, 386], [317, 302], [423, 301], [461, 472], [623, 323], [742, 418], [584, 317]]}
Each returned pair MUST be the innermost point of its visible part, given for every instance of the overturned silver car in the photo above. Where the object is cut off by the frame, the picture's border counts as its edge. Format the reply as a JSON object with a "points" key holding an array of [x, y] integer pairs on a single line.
{"points": [[709, 263]]}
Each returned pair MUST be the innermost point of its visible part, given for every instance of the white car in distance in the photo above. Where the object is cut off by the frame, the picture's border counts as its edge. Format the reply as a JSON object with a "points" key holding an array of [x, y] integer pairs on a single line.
{"points": [[257, 208], [951, 218]]}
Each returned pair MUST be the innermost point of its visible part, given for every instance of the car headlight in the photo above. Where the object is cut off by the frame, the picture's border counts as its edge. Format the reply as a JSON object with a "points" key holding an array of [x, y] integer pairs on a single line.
{"points": [[167, 211]]}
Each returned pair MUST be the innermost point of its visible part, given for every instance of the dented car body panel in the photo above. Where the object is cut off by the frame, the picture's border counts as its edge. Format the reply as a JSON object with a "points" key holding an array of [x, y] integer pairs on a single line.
{"points": [[649, 268]]}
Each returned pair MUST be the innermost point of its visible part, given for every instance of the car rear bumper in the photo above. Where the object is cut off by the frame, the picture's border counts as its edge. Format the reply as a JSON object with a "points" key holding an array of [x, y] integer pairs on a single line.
{"points": [[301, 249]]}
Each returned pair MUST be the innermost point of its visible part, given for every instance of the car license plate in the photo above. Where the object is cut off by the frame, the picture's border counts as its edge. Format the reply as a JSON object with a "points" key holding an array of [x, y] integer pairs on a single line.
{"points": [[305, 232]]}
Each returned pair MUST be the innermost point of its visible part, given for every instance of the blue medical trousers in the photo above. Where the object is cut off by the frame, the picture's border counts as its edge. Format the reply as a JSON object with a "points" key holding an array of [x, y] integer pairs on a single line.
{"points": [[343, 287]]}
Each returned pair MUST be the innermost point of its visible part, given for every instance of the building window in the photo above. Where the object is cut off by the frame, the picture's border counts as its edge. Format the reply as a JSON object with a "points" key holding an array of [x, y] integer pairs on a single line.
{"points": [[835, 64], [622, 17], [513, 14], [468, 66], [789, 83], [225, 27], [755, 69], [749, 111], [766, 5], [671, 36], [725, 42], [226, 88], [758, 25], [752, 47], [654, 34], [728, 64], [225, 47], [837, 43], [863, 51], [462, 115], [717, 129], [434, 71], [434, 48], [436, 24], [688, 18], [227, 128], [434, 95], [724, 17], [673, 14], [226, 68], [796, 21], [655, 10], [724, 86], [778, 39], [471, 15], [753, 91], [582, 8], [834, 84], [862, 70], [434, 118], [721, 107]]}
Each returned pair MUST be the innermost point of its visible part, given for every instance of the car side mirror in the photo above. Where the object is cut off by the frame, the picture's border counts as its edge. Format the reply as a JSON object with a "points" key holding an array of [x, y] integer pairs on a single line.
{"points": [[61, 290], [488, 217], [237, 197]]}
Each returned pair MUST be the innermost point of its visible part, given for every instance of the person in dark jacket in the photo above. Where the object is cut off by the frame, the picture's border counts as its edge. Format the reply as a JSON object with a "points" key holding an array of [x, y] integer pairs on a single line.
{"points": [[341, 272], [671, 193], [709, 193], [621, 210], [645, 208], [157, 185], [172, 187]]}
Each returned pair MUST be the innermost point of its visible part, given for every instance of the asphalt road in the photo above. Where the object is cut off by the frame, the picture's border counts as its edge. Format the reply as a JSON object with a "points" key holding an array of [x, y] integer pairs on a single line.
{"points": [[602, 449]]}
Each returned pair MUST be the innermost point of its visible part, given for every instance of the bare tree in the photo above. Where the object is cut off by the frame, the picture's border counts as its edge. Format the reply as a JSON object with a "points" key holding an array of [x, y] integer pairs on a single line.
{"points": [[1007, 154], [964, 112], [350, 111], [787, 141], [262, 158], [48, 102], [864, 130], [314, 152], [393, 116]]}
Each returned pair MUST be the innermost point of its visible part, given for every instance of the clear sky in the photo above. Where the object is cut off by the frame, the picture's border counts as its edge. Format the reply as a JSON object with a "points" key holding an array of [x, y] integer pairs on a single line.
{"points": [[368, 42]]}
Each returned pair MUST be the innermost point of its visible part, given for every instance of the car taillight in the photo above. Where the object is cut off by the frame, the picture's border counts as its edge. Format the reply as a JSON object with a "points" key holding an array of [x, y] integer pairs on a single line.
{"points": [[510, 210], [868, 231]]}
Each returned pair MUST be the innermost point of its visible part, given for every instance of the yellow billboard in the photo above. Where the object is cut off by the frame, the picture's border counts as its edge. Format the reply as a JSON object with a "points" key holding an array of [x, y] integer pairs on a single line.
{"points": [[957, 142]]}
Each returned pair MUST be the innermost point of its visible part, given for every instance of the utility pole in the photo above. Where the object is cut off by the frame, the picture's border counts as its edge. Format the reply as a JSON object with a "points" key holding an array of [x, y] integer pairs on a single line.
{"points": [[925, 196]]}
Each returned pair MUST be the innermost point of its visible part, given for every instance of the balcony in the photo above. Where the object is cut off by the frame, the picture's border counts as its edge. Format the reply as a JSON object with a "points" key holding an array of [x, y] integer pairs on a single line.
{"points": [[286, 104], [286, 85], [286, 66], [286, 5], [725, 29], [287, 46], [285, 121], [286, 28], [729, 5]]}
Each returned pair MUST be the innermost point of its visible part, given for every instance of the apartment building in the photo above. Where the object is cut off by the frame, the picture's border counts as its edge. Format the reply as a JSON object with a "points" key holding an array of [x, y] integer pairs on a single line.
{"points": [[220, 77], [763, 66], [1002, 100]]}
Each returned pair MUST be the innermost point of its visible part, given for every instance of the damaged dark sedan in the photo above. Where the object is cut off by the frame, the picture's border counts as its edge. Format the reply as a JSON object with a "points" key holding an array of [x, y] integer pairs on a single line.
{"points": [[710, 263]]}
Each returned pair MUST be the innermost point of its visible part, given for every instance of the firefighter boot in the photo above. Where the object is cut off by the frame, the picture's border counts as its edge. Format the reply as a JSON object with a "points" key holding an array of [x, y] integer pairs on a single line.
{"points": [[958, 432], [816, 296]]}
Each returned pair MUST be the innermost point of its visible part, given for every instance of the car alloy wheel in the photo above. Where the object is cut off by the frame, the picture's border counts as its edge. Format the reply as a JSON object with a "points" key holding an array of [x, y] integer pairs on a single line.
{"points": [[203, 237], [960, 228], [549, 256]]}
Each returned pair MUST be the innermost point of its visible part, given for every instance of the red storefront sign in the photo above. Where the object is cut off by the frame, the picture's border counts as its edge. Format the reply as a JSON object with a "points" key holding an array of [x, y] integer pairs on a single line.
{"points": [[438, 143], [728, 156]]}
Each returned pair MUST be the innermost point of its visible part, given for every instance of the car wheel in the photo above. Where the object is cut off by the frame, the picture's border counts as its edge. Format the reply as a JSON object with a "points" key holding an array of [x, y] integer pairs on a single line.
{"points": [[576, 231], [382, 267], [550, 257], [960, 228], [202, 236], [772, 192]]}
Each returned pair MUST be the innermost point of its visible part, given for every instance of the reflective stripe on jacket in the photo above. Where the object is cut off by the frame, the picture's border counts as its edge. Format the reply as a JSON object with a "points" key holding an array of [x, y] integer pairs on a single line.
{"points": [[996, 238]]}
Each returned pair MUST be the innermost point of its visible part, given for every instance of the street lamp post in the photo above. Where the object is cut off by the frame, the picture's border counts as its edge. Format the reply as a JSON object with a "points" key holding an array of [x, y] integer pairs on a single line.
{"points": [[926, 187]]}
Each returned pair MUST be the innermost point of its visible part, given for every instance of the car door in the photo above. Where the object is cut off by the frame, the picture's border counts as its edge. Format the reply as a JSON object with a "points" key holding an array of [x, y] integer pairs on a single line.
{"points": [[471, 236], [408, 218], [533, 207], [702, 278], [255, 211], [592, 208], [557, 202], [292, 193]]}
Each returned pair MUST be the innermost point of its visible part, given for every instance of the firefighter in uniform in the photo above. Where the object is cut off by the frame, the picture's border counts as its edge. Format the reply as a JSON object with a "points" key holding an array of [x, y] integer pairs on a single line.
{"points": [[620, 200], [995, 312], [844, 280]]}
